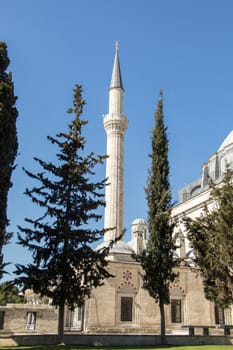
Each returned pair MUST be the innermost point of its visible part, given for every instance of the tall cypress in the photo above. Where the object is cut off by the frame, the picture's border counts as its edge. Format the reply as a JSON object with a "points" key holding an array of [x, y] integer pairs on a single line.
{"points": [[158, 261], [65, 265], [8, 144]]}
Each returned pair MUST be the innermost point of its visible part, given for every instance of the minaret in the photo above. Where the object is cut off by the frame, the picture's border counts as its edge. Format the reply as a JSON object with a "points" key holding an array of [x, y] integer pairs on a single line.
{"points": [[115, 124]]}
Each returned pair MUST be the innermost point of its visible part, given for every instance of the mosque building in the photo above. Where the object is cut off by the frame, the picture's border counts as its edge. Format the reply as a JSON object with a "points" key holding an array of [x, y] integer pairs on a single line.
{"points": [[121, 305]]}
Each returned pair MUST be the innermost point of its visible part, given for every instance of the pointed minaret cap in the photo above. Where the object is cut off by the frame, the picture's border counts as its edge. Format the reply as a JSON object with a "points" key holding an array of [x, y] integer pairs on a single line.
{"points": [[116, 81]]}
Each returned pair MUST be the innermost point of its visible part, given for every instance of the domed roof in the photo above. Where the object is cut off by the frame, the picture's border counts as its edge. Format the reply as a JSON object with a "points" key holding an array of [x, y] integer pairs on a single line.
{"points": [[139, 221], [121, 247], [228, 140], [118, 247]]}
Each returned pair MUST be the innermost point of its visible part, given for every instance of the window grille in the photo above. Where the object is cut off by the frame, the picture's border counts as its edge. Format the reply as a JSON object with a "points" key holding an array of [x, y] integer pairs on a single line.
{"points": [[73, 319], [219, 315], [31, 321], [176, 311], [126, 309]]}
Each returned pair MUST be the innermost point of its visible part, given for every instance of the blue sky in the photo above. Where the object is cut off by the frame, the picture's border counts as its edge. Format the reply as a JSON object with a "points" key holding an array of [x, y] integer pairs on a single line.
{"points": [[183, 46]]}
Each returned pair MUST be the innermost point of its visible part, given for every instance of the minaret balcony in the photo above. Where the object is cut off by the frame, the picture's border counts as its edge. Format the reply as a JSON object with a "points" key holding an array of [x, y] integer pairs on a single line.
{"points": [[115, 122]]}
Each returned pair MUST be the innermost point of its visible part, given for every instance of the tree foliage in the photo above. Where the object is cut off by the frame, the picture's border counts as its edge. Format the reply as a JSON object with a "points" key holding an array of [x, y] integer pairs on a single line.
{"points": [[211, 237], [65, 266], [8, 144], [9, 293], [158, 261]]}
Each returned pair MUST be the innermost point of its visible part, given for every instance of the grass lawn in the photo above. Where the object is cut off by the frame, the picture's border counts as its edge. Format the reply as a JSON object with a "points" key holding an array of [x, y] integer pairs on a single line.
{"points": [[74, 347]]}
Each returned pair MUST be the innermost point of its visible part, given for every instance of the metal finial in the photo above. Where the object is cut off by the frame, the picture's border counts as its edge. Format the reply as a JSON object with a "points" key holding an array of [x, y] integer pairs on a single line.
{"points": [[117, 44]]}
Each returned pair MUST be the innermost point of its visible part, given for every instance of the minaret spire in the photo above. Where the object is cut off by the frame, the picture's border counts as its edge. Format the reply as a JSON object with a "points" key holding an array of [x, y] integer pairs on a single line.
{"points": [[115, 124], [116, 72]]}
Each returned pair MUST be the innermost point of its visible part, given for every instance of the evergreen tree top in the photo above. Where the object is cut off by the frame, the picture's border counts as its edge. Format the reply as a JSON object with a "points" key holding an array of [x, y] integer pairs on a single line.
{"points": [[8, 143], [161, 94], [65, 265], [4, 60], [158, 187]]}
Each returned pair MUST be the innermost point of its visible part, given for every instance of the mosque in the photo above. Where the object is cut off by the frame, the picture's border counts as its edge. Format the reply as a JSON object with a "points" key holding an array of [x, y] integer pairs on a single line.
{"points": [[121, 305]]}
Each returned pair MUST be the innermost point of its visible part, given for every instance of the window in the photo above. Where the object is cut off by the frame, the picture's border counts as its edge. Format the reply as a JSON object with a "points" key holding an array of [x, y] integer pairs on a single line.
{"points": [[2, 315], [219, 315], [31, 321], [195, 191], [176, 311], [73, 319], [126, 309]]}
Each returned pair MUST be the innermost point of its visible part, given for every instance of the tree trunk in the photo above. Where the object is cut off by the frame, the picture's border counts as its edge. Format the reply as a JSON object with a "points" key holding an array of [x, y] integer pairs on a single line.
{"points": [[162, 324], [61, 313]]}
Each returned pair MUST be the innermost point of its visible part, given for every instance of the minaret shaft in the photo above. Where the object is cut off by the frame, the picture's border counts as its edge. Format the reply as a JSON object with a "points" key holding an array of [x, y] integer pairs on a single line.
{"points": [[115, 124], [116, 100]]}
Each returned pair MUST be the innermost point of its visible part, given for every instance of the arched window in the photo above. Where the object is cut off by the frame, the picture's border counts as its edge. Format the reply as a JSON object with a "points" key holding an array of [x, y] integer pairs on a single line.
{"points": [[195, 190], [126, 295]]}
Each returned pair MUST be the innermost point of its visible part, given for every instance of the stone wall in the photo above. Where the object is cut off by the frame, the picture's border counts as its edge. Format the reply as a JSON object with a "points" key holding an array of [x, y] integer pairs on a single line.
{"points": [[16, 315], [114, 340]]}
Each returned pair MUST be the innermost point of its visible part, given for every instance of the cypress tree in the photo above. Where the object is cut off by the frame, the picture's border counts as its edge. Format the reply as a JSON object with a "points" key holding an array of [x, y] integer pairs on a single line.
{"points": [[158, 261], [211, 237], [65, 265], [8, 145]]}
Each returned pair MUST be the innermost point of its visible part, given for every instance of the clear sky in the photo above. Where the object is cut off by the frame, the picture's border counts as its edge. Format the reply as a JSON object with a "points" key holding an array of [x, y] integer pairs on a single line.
{"points": [[183, 46]]}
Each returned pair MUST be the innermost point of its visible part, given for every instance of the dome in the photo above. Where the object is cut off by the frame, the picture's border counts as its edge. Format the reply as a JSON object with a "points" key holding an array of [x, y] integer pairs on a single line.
{"points": [[118, 247], [139, 221], [228, 140], [121, 247]]}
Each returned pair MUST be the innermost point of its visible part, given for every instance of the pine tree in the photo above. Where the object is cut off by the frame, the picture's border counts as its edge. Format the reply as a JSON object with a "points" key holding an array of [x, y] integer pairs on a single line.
{"points": [[211, 237], [158, 261], [65, 265], [8, 145]]}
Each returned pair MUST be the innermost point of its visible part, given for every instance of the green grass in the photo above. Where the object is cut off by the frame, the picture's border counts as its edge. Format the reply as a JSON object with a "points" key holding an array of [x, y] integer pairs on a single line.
{"points": [[74, 347]]}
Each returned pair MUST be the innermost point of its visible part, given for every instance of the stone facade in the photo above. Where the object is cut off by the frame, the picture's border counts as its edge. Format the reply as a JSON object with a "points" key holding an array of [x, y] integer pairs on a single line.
{"points": [[28, 318], [186, 296]]}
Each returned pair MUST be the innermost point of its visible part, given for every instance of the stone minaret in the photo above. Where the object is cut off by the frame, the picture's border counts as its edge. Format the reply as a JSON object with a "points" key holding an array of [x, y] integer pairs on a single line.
{"points": [[115, 124]]}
